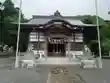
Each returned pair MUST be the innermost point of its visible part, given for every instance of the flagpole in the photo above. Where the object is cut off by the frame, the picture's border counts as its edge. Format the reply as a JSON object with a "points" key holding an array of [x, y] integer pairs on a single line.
{"points": [[18, 34], [98, 33]]}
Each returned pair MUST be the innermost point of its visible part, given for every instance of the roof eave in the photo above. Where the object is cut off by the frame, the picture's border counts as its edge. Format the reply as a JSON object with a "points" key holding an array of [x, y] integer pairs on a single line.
{"points": [[37, 25]]}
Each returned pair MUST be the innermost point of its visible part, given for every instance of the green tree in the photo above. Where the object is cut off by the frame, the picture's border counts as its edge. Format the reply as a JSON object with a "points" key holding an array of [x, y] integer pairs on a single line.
{"points": [[10, 10], [104, 32], [10, 14]]}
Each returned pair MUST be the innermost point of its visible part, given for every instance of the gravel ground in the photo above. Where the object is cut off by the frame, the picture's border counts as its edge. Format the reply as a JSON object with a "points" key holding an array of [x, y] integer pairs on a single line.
{"points": [[31, 76], [19, 76], [97, 75]]}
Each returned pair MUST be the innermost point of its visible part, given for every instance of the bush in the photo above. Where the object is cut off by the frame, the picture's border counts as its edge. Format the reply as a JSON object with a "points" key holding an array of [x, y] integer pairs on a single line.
{"points": [[93, 45]]}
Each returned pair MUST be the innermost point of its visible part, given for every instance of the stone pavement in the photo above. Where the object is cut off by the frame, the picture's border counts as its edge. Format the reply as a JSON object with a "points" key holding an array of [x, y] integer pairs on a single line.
{"points": [[63, 75]]}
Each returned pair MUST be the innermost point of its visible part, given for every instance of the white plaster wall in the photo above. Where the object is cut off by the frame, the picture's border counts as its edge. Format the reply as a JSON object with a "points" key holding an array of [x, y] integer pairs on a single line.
{"points": [[33, 37]]}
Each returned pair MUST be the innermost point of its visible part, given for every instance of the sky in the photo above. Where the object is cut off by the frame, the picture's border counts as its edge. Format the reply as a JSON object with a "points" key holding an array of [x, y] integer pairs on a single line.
{"points": [[65, 7]]}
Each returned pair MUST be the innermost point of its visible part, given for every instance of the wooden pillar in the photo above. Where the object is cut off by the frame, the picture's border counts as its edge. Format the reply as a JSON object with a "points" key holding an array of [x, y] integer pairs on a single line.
{"points": [[38, 45], [45, 49], [69, 48], [74, 41], [74, 37]]}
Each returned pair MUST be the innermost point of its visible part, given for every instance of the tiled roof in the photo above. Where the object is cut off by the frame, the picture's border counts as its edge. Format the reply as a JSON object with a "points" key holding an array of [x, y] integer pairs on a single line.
{"points": [[41, 20], [74, 20], [44, 19]]}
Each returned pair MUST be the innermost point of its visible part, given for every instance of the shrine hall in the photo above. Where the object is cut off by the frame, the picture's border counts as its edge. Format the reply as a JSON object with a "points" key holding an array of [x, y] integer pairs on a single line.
{"points": [[57, 35]]}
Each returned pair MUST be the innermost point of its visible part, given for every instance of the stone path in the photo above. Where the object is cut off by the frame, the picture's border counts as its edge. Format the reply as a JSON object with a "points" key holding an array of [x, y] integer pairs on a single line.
{"points": [[63, 75]]}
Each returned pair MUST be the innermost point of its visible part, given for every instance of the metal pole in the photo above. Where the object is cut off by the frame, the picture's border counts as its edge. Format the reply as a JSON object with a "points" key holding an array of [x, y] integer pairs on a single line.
{"points": [[98, 33], [18, 34]]}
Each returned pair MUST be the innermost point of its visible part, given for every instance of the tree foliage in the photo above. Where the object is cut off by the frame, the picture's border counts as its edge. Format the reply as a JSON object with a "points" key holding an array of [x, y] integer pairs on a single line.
{"points": [[104, 33], [9, 14]]}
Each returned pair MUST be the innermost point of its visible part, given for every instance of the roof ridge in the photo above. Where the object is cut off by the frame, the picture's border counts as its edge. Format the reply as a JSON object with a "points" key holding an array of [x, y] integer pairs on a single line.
{"points": [[52, 16]]}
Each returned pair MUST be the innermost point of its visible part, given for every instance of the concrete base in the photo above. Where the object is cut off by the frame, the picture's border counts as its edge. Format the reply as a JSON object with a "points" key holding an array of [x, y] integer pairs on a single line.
{"points": [[100, 62], [17, 62]]}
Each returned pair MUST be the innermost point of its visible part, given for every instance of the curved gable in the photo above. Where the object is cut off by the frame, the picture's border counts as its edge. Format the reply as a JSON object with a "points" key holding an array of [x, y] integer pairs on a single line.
{"points": [[58, 23]]}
